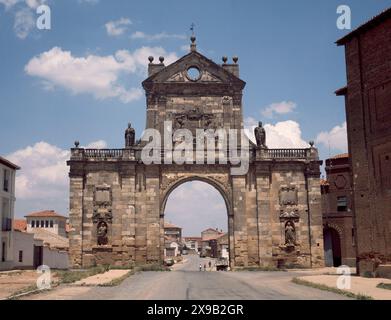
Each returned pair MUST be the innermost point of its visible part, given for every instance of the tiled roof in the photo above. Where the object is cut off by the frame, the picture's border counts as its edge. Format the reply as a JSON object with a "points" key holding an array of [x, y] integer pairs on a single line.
{"points": [[20, 225], [51, 239], [342, 155], [46, 214], [192, 238], [385, 14], [170, 225], [8, 163]]}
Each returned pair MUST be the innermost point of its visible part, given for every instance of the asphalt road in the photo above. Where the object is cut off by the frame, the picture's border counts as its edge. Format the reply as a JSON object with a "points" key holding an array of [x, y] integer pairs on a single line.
{"points": [[187, 282]]}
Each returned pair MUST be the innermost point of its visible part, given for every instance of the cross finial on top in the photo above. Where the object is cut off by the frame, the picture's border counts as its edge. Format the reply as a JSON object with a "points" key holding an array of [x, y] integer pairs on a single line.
{"points": [[192, 28]]}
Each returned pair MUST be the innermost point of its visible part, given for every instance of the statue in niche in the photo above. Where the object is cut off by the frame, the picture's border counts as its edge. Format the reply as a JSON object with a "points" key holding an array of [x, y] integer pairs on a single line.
{"points": [[102, 233], [129, 136], [290, 234], [260, 135]]}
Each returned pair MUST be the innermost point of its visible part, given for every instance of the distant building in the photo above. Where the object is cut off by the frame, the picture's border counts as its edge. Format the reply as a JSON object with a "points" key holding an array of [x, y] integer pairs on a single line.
{"points": [[172, 232], [223, 246], [338, 229], [7, 203], [172, 240], [193, 243], [368, 115], [48, 220], [40, 245], [209, 242]]}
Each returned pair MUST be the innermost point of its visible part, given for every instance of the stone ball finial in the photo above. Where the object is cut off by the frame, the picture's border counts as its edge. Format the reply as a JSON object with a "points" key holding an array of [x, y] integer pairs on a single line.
{"points": [[129, 125], [312, 143], [150, 58], [235, 59], [77, 143], [161, 59], [225, 59], [193, 39]]}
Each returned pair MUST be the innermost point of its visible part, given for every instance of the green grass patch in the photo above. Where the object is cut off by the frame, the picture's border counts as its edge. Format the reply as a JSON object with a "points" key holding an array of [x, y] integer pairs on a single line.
{"points": [[384, 286], [151, 267], [259, 268], [331, 289], [71, 276]]}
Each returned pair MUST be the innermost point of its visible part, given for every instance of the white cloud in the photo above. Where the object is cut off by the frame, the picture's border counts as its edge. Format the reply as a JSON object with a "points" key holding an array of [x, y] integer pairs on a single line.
{"points": [[284, 134], [118, 27], [156, 37], [336, 138], [42, 183], [43, 173], [24, 22], [282, 107], [92, 74], [8, 3]]}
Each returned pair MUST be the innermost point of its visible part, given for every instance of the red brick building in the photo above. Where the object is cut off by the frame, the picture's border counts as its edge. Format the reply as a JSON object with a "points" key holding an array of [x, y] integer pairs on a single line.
{"points": [[368, 113], [338, 230]]}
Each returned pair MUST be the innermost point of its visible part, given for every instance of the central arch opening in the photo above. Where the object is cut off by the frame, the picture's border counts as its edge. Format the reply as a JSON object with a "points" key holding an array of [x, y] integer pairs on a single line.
{"points": [[196, 228]]}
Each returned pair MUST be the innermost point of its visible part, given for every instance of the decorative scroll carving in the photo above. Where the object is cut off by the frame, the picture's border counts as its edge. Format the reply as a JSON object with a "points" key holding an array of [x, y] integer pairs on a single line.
{"points": [[193, 119], [289, 214]]}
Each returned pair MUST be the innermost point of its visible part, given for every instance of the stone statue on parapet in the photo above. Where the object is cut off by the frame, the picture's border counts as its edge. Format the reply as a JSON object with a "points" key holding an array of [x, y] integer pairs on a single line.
{"points": [[129, 136], [260, 135]]}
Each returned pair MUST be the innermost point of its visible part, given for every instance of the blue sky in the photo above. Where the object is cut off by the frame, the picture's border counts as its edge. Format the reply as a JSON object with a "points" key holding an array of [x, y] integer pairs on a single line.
{"points": [[286, 53]]}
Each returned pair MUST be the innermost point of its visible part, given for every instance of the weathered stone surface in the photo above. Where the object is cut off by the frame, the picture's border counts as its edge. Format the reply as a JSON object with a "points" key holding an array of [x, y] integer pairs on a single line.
{"points": [[115, 186]]}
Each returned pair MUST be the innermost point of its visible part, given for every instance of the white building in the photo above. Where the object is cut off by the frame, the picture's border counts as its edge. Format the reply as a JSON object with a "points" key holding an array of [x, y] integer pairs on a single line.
{"points": [[48, 220], [7, 203]]}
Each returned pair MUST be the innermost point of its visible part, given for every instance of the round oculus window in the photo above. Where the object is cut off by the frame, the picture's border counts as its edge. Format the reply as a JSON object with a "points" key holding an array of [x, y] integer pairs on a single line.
{"points": [[193, 73]]}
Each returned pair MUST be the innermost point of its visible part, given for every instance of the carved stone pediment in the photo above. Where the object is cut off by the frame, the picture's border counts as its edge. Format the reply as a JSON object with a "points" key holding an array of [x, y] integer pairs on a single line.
{"points": [[210, 72]]}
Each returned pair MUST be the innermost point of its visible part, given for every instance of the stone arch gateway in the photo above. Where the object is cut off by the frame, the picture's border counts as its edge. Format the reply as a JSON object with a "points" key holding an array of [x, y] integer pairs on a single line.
{"points": [[117, 187]]}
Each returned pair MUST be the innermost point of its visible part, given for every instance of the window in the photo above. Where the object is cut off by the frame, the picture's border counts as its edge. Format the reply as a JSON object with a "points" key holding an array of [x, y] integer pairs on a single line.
{"points": [[42, 223], [20, 256], [33, 224], [51, 223], [47, 224], [6, 178], [342, 203]]}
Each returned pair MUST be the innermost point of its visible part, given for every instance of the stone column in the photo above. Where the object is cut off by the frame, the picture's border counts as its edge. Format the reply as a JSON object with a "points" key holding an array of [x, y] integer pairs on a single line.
{"points": [[75, 220], [240, 222], [264, 216], [315, 215], [153, 214]]}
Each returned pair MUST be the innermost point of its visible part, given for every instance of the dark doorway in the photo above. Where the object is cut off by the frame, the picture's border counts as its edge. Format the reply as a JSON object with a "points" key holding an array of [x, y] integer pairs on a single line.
{"points": [[332, 247], [38, 256], [3, 253]]}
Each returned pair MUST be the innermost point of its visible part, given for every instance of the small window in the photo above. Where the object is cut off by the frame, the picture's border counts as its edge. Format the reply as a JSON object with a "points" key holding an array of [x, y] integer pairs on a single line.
{"points": [[42, 223], [6, 178], [51, 223], [47, 224], [342, 204], [20, 256], [33, 224]]}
